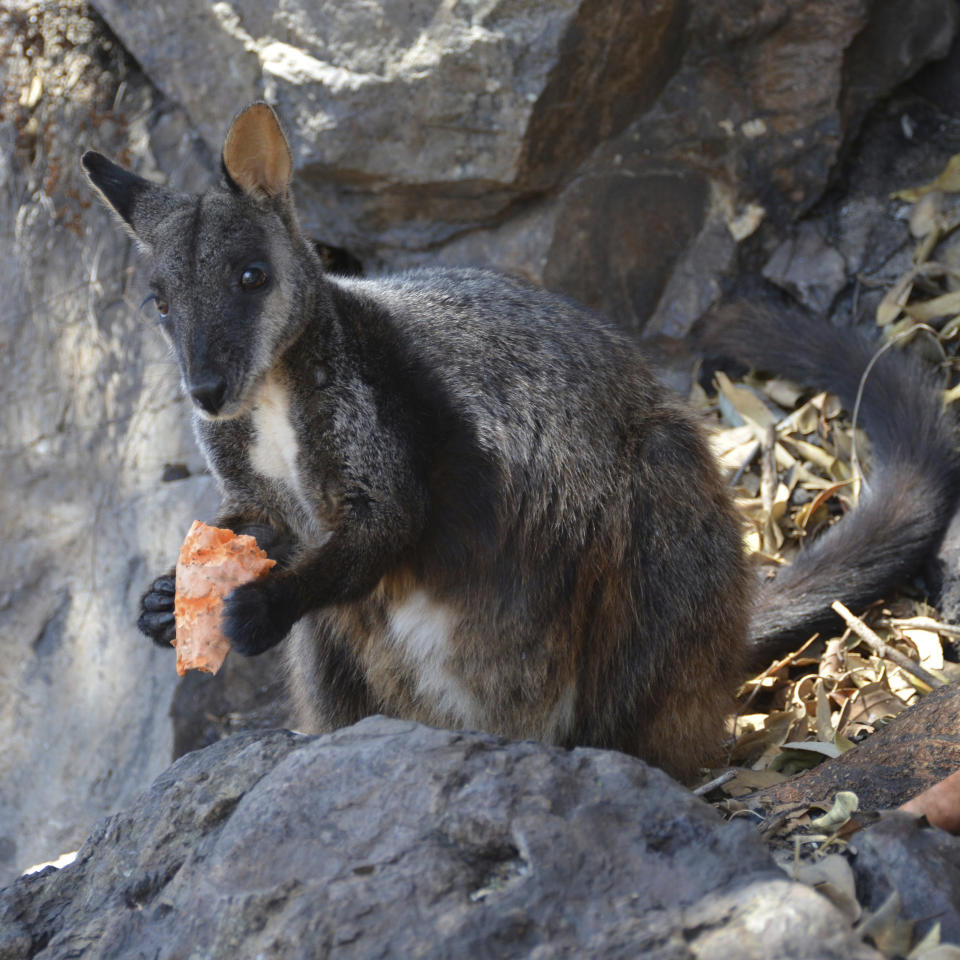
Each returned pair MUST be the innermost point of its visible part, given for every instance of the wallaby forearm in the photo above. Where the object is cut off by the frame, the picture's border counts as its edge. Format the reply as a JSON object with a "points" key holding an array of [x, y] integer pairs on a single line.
{"points": [[345, 568]]}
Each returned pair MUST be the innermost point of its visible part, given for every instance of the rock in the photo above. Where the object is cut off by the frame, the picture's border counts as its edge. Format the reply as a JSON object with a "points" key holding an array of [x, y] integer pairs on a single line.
{"points": [[390, 838], [622, 236], [920, 863], [607, 146], [911, 753], [459, 109], [806, 266], [624, 152], [90, 415]]}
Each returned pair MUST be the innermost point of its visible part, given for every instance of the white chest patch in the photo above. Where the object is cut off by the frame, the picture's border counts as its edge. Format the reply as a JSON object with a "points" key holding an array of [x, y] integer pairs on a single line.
{"points": [[274, 451], [423, 628]]}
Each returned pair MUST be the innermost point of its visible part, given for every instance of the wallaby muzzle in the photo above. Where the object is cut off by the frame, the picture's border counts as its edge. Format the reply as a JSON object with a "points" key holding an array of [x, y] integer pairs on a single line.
{"points": [[209, 393]]}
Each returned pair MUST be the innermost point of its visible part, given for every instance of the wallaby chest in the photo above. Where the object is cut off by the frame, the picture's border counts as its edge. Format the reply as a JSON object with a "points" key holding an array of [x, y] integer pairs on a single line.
{"points": [[274, 447]]}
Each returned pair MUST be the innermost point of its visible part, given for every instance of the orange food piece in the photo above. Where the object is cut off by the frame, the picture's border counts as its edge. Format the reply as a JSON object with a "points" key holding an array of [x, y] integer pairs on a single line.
{"points": [[211, 563]]}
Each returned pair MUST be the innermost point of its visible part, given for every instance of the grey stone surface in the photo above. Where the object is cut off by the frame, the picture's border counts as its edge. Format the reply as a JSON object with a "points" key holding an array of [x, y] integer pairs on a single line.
{"points": [[615, 149], [393, 839], [89, 415], [424, 115], [809, 268], [601, 147], [920, 863]]}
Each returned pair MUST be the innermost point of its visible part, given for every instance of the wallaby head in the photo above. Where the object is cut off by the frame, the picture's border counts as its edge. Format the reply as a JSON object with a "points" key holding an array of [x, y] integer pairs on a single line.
{"points": [[232, 279]]}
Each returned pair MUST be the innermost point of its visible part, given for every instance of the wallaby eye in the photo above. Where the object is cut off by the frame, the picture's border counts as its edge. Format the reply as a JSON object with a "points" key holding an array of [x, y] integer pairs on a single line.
{"points": [[163, 308], [253, 276]]}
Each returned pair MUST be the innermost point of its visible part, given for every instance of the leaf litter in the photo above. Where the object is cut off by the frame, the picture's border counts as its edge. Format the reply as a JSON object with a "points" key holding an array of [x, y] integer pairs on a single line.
{"points": [[790, 459], [793, 462]]}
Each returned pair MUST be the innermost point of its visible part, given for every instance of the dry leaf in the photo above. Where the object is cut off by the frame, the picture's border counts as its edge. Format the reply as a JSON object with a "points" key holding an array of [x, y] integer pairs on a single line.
{"points": [[833, 877], [891, 306], [746, 403], [814, 454], [926, 217], [784, 393], [891, 935], [942, 306], [845, 805], [948, 180], [825, 727], [928, 646], [930, 947], [871, 704]]}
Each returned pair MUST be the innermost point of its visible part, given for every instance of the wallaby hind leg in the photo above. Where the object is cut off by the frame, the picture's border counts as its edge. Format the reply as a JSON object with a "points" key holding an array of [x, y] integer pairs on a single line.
{"points": [[325, 680]]}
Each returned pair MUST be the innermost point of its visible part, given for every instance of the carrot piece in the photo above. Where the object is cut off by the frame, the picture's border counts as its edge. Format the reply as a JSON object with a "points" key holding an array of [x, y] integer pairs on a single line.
{"points": [[211, 563]]}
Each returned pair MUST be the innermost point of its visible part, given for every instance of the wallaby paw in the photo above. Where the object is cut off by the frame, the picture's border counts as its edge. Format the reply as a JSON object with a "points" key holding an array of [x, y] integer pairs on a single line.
{"points": [[257, 616], [156, 611]]}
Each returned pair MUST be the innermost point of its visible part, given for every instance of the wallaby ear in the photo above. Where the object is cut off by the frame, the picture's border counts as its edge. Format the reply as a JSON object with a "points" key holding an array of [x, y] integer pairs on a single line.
{"points": [[256, 157], [139, 203]]}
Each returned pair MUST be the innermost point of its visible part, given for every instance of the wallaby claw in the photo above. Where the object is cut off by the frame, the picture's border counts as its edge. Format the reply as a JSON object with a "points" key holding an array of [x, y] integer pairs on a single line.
{"points": [[156, 618]]}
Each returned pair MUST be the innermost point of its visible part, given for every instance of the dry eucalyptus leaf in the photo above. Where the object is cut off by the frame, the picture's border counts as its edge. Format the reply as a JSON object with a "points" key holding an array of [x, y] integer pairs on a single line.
{"points": [[945, 305], [814, 454], [747, 781], [785, 393], [942, 951], [825, 729], [928, 645], [845, 805], [930, 947], [891, 306], [745, 402], [874, 702], [884, 927], [926, 216], [833, 662], [833, 877], [800, 755]]}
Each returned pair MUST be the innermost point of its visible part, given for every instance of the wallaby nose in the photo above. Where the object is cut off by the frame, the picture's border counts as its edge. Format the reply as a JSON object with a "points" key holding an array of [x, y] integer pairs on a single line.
{"points": [[209, 393]]}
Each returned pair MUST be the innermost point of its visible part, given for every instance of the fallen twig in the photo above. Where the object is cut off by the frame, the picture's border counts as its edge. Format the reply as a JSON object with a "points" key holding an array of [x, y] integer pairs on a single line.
{"points": [[773, 668], [883, 649], [924, 623], [714, 783]]}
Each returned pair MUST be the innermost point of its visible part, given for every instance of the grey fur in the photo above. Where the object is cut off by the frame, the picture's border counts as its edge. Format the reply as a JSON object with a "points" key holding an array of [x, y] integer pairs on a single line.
{"points": [[486, 510]]}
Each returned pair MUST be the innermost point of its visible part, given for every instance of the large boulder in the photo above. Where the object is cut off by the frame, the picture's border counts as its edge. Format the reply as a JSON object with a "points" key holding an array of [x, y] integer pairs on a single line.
{"points": [[620, 151], [616, 150], [393, 839]]}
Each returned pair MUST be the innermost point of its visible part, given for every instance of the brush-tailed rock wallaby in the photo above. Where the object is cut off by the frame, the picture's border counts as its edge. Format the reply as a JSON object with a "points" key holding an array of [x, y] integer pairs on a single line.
{"points": [[485, 509]]}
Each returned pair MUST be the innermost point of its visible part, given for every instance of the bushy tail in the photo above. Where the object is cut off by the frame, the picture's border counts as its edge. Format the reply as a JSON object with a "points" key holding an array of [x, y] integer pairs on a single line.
{"points": [[908, 499]]}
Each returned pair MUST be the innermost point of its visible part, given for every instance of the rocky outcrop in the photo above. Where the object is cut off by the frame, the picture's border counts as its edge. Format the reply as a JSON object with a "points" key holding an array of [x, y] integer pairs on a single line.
{"points": [[621, 151], [615, 150], [393, 839], [90, 422]]}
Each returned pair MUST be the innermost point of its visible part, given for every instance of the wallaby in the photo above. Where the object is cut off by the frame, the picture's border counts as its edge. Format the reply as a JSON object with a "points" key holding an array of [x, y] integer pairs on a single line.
{"points": [[485, 509]]}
